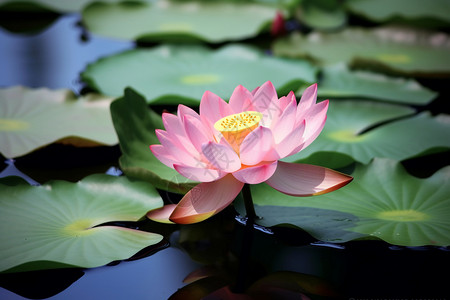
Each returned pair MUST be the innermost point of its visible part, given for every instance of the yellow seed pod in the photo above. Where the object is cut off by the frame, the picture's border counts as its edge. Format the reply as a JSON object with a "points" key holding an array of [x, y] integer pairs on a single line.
{"points": [[237, 126]]}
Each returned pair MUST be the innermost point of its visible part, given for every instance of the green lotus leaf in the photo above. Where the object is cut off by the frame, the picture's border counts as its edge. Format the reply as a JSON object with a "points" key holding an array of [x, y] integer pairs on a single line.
{"points": [[398, 50], [384, 10], [277, 3], [32, 118], [339, 81], [181, 74], [54, 225], [324, 224], [321, 18], [135, 125], [212, 21], [63, 6], [383, 201], [359, 130]]}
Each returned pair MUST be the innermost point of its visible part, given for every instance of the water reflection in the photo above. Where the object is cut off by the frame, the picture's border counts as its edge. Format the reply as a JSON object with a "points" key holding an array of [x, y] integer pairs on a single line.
{"points": [[38, 284], [154, 277], [157, 276], [11, 170], [54, 57], [243, 221]]}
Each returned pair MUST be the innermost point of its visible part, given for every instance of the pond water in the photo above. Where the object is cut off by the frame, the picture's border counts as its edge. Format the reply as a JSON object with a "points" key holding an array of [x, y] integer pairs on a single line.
{"points": [[54, 58], [155, 277]]}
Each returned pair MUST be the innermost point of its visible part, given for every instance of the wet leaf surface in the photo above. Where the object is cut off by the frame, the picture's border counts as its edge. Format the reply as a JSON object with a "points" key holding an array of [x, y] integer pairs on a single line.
{"points": [[383, 202], [56, 225]]}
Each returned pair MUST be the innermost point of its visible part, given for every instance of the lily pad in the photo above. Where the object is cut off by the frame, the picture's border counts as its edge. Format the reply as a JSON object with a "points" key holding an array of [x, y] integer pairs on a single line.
{"points": [[211, 21], [399, 50], [384, 10], [383, 201], [349, 131], [63, 6], [172, 74], [135, 124], [339, 81], [32, 118], [315, 15], [55, 225]]}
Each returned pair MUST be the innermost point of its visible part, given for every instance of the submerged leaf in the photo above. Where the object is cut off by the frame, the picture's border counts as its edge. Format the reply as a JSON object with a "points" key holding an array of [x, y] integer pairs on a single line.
{"points": [[199, 289], [54, 225], [287, 283]]}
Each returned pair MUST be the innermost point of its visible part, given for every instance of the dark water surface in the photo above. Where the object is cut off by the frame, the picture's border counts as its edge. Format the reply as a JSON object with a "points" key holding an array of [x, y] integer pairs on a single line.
{"points": [[154, 277]]}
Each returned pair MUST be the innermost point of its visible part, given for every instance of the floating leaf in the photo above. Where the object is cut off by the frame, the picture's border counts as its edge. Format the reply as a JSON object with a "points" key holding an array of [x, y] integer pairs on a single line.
{"points": [[135, 125], [318, 17], [181, 74], [346, 133], [54, 225], [399, 50], [32, 118], [339, 81], [50, 5], [383, 201], [384, 10], [170, 20]]}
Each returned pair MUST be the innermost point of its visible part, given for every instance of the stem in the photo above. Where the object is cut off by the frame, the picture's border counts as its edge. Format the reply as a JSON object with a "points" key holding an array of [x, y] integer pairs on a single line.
{"points": [[246, 242], [248, 201]]}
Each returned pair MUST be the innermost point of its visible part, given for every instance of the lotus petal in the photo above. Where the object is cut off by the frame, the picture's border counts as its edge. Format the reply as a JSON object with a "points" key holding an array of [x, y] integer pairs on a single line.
{"points": [[206, 199], [306, 180]]}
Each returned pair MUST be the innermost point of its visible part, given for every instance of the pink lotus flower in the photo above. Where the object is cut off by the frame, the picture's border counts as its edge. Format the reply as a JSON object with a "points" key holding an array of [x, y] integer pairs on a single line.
{"points": [[230, 144]]}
